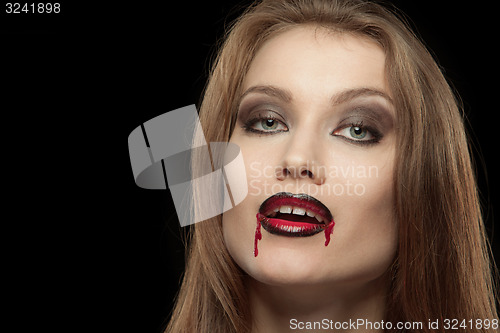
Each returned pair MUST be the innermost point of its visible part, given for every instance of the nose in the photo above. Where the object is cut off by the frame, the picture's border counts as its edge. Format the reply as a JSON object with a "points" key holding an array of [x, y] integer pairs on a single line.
{"points": [[302, 161]]}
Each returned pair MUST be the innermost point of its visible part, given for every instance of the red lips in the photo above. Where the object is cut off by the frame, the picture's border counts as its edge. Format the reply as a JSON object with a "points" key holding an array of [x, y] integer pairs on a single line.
{"points": [[293, 215]]}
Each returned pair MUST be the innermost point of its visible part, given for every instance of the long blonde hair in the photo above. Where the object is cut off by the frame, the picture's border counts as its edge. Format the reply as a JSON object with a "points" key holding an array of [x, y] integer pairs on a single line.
{"points": [[442, 269]]}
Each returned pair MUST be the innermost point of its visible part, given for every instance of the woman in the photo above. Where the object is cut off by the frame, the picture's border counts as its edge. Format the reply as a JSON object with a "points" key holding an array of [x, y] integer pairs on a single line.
{"points": [[362, 205]]}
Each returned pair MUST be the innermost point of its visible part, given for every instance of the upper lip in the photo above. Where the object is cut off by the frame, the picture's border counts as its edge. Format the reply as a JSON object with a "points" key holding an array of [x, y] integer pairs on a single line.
{"points": [[306, 204]]}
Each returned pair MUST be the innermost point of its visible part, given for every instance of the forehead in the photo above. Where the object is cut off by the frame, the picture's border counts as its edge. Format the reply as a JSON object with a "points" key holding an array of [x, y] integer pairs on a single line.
{"points": [[313, 61]]}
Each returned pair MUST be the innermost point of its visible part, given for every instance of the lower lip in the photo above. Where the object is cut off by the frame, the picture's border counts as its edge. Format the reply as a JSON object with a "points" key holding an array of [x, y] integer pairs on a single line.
{"points": [[290, 229]]}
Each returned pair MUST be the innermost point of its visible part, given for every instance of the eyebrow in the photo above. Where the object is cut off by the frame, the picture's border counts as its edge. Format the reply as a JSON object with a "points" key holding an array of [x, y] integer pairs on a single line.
{"points": [[350, 94], [269, 90], [339, 98]]}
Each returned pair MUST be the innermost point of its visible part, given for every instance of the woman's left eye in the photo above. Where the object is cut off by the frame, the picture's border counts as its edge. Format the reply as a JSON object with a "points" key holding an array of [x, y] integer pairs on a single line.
{"points": [[356, 132]]}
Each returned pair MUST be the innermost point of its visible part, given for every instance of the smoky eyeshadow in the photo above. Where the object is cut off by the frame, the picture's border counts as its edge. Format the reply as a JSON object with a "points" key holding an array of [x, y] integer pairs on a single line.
{"points": [[367, 111], [253, 107], [372, 114]]}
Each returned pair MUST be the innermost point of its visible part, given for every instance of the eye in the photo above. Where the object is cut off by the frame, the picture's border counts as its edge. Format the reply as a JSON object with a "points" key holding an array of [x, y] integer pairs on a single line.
{"points": [[266, 125], [357, 133], [269, 124]]}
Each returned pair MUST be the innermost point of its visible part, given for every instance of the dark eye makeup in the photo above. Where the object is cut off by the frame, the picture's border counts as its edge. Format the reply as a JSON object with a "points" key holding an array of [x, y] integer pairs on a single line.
{"points": [[266, 125], [360, 125], [358, 133]]}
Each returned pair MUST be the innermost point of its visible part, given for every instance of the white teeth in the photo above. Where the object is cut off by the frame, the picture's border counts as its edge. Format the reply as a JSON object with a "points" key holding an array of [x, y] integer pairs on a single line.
{"points": [[286, 209], [298, 211]]}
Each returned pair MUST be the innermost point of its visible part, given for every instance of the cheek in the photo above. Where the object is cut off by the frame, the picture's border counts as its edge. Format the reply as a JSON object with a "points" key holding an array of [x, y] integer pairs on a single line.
{"points": [[240, 223], [366, 231], [238, 229]]}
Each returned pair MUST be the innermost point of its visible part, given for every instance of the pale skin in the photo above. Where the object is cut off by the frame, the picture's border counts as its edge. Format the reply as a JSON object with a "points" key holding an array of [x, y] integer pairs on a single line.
{"points": [[317, 95]]}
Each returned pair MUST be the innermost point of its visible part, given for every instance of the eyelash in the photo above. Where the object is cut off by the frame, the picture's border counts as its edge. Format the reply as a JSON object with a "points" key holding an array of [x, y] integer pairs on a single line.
{"points": [[377, 136], [248, 126]]}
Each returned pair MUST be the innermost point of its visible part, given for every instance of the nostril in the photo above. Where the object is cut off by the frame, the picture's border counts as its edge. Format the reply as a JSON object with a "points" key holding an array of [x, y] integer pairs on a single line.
{"points": [[302, 173], [306, 173]]}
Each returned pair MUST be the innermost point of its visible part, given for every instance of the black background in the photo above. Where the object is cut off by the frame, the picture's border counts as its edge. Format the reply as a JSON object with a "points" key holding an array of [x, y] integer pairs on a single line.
{"points": [[84, 245]]}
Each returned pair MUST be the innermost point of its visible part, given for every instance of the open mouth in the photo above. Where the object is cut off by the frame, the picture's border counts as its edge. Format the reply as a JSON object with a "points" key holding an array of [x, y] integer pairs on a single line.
{"points": [[294, 215]]}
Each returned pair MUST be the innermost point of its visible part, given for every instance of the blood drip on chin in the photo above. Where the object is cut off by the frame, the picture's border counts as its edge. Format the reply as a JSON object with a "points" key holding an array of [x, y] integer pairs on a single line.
{"points": [[328, 232], [258, 235]]}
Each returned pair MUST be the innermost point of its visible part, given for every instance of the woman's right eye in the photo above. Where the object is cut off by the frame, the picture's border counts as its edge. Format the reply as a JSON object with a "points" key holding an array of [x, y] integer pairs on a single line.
{"points": [[265, 125]]}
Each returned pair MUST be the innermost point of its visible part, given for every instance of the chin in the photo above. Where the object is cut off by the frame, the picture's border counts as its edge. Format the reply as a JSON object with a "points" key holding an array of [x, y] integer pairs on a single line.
{"points": [[288, 265]]}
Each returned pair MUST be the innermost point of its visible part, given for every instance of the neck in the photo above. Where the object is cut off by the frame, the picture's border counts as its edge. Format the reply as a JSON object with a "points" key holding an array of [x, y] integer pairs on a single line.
{"points": [[313, 308]]}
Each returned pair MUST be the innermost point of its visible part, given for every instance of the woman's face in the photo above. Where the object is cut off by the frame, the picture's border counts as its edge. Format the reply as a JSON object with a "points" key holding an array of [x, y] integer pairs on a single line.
{"points": [[315, 118]]}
